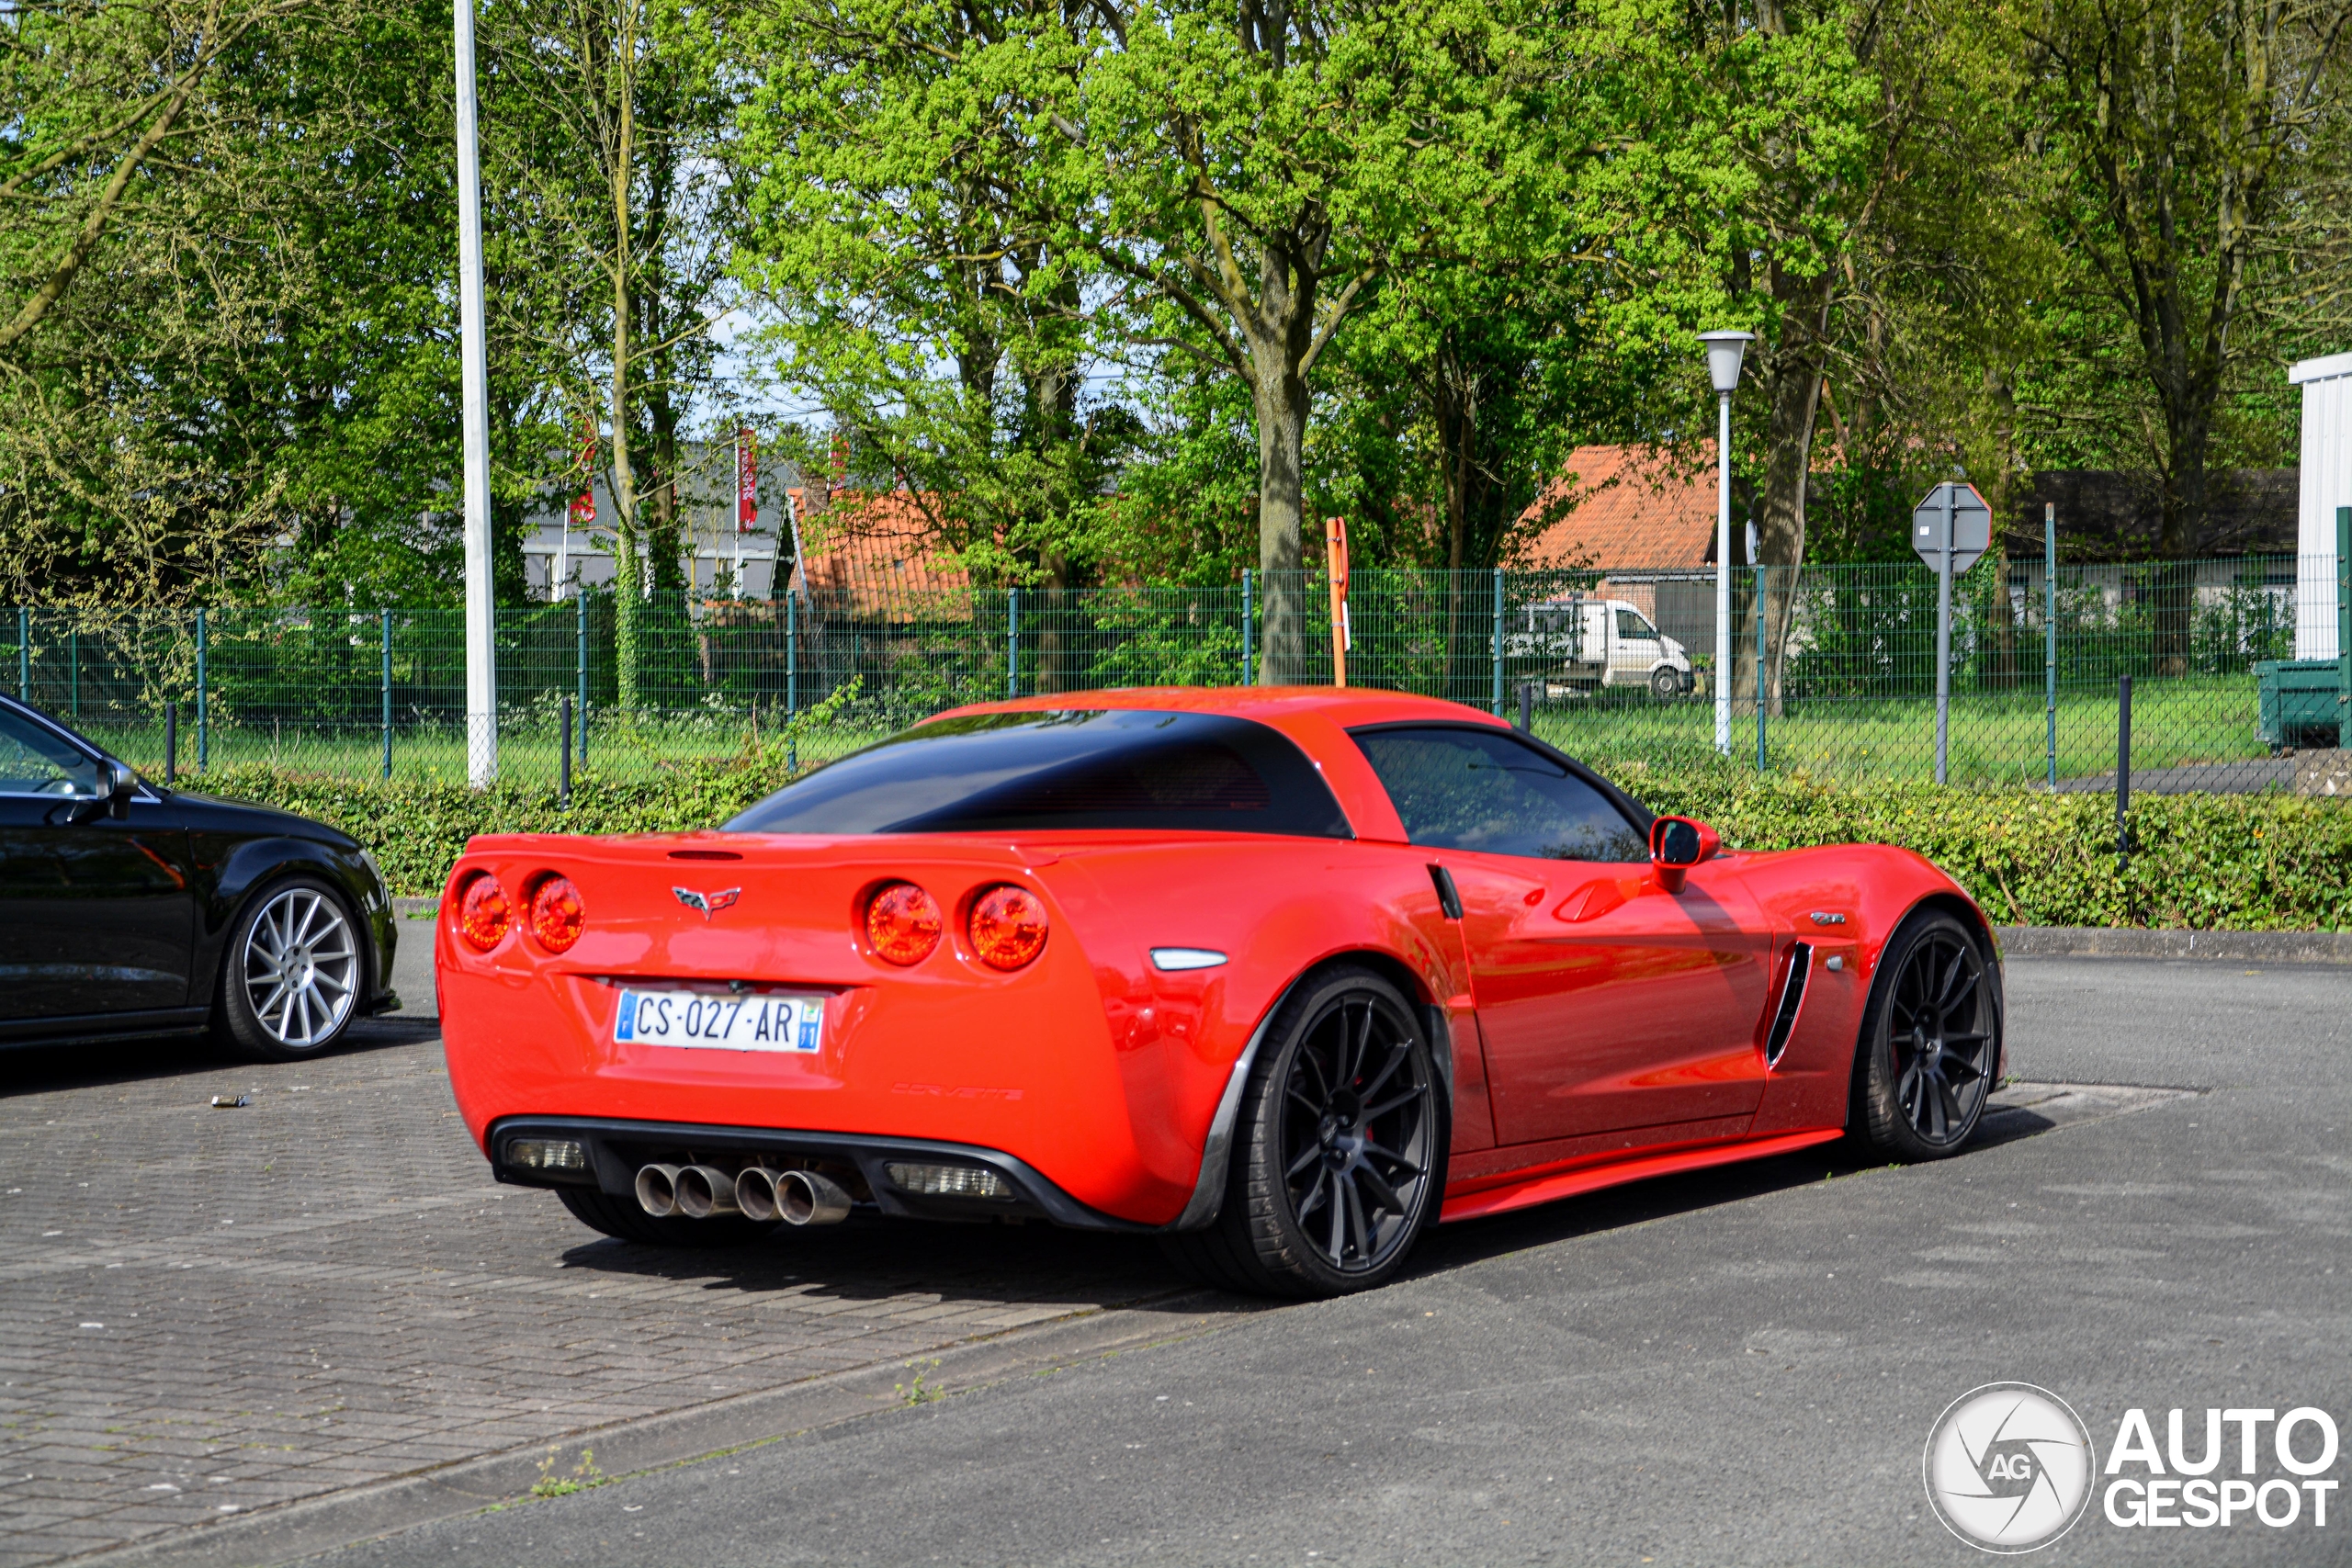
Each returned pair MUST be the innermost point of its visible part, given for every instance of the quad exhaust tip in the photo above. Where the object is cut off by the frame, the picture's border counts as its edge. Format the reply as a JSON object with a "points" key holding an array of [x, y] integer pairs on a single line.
{"points": [[657, 1190], [702, 1191], [795, 1197]]}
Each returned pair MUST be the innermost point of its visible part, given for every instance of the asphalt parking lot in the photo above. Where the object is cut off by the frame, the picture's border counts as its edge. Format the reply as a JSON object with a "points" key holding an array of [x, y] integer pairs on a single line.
{"points": [[313, 1325]]}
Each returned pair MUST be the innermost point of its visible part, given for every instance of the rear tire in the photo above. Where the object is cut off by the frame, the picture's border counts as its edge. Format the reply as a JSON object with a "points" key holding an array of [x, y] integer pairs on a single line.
{"points": [[1339, 1156], [1930, 1044], [621, 1219]]}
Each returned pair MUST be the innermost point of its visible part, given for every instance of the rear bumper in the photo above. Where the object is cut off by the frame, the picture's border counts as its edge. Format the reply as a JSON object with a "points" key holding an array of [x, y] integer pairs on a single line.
{"points": [[617, 1148]]}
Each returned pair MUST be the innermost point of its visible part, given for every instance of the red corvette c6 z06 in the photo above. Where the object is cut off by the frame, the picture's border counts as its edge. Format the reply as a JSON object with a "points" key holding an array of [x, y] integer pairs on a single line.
{"points": [[1283, 975]]}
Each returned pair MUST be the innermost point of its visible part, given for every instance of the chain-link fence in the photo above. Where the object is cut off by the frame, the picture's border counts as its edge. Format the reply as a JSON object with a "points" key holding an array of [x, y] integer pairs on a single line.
{"points": [[1615, 664]]}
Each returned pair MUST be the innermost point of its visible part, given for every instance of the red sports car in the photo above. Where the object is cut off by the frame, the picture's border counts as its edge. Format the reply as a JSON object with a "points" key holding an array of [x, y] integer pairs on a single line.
{"points": [[1282, 976]]}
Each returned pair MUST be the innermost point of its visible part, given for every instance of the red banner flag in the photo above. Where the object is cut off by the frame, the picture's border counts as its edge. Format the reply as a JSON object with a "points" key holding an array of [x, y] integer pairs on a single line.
{"points": [[747, 481], [584, 505]]}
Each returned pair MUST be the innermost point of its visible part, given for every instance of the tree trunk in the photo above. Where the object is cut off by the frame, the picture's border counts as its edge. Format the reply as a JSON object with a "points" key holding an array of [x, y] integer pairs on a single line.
{"points": [[1790, 377], [1279, 396]]}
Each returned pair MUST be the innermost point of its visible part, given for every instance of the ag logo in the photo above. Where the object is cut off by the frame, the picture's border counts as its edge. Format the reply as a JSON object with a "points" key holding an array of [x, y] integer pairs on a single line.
{"points": [[2009, 1467]]}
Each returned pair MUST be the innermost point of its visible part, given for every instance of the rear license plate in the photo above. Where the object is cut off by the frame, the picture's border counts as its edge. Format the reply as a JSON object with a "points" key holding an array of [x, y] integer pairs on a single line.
{"points": [[698, 1020]]}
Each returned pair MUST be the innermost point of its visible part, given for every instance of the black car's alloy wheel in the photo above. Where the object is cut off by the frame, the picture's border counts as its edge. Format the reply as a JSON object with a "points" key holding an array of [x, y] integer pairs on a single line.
{"points": [[1932, 1042], [1339, 1148], [291, 979]]}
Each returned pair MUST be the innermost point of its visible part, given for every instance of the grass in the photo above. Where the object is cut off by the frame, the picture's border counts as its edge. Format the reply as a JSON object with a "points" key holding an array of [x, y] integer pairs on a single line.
{"points": [[1994, 740]]}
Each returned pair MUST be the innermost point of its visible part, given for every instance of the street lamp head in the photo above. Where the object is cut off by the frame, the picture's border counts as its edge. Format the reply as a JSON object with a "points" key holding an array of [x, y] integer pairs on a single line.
{"points": [[1724, 351]]}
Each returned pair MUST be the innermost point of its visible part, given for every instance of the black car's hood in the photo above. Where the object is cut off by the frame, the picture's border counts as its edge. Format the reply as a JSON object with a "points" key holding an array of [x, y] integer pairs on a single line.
{"points": [[205, 813]]}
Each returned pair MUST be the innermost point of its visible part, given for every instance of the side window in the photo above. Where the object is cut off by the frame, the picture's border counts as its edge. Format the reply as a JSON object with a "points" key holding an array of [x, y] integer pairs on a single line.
{"points": [[1632, 627], [35, 762], [1467, 789]]}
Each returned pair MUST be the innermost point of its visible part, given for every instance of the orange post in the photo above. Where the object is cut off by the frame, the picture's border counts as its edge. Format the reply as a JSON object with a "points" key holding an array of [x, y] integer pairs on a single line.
{"points": [[1335, 557]]}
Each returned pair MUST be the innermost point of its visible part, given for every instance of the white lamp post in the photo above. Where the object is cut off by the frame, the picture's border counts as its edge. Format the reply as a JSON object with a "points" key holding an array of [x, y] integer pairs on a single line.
{"points": [[473, 373], [1724, 352]]}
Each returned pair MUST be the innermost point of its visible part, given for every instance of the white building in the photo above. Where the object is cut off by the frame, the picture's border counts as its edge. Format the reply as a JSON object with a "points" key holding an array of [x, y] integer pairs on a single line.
{"points": [[2326, 485], [569, 546]]}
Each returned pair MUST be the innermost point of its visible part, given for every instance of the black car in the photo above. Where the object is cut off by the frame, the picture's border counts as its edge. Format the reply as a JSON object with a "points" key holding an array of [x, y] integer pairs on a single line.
{"points": [[128, 910]]}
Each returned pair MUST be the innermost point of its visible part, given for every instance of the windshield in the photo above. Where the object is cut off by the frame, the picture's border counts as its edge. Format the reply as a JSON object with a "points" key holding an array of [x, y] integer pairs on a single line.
{"points": [[1094, 768]]}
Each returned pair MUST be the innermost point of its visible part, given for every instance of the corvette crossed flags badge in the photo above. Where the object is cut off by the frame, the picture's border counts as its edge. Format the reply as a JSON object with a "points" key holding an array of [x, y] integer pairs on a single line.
{"points": [[708, 903]]}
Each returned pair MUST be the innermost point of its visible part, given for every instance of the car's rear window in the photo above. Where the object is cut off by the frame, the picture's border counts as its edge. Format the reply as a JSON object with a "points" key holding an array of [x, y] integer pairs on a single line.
{"points": [[1081, 768]]}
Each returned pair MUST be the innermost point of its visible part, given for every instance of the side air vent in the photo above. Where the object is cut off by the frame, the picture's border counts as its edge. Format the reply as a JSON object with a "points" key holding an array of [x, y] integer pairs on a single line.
{"points": [[1784, 1017]]}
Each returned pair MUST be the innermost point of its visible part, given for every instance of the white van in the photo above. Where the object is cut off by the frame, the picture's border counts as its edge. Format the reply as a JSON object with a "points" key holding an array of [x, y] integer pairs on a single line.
{"points": [[1579, 645]]}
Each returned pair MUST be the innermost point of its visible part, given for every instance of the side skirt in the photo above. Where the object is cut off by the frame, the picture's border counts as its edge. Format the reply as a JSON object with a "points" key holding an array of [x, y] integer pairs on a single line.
{"points": [[1567, 1184]]}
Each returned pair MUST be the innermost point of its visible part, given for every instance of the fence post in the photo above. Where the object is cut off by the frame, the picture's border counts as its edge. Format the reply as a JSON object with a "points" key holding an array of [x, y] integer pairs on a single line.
{"points": [[1499, 642], [73, 671], [1247, 629], [1527, 707], [384, 618], [170, 742], [24, 654], [564, 764], [1012, 642], [1760, 570], [2049, 634], [203, 712], [791, 654], [2122, 771], [579, 671]]}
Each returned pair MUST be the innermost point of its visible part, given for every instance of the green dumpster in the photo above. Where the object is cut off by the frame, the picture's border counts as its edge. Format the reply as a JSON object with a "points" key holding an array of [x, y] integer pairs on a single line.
{"points": [[2298, 702]]}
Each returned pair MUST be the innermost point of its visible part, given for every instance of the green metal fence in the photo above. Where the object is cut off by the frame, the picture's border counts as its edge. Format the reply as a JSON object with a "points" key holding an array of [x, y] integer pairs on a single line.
{"points": [[1848, 655]]}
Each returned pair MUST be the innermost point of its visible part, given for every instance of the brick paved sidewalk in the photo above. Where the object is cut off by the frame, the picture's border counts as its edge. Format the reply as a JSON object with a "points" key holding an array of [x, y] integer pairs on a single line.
{"points": [[204, 1312]]}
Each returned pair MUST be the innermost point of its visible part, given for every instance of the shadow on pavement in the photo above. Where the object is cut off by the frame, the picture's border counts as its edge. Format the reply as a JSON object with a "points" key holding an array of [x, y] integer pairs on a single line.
{"points": [[872, 1258], [40, 1069]]}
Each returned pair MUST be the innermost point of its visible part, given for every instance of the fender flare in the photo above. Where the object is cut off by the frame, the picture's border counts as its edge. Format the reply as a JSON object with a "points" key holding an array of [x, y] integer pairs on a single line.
{"points": [[1217, 1149]]}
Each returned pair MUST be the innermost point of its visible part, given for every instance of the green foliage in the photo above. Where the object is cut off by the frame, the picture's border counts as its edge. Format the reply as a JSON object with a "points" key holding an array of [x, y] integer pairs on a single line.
{"points": [[2207, 862], [2261, 862]]}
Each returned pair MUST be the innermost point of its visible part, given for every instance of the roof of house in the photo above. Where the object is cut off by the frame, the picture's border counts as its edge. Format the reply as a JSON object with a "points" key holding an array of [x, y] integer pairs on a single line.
{"points": [[874, 555], [1629, 506]]}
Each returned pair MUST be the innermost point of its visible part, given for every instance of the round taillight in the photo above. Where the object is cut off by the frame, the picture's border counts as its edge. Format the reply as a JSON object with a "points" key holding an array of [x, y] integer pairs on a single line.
{"points": [[903, 923], [1007, 926], [483, 914], [557, 915]]}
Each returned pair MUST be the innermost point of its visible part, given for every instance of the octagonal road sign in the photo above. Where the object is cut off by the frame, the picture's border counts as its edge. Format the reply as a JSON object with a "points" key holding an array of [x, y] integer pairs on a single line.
{"points": [[1972, 525]]}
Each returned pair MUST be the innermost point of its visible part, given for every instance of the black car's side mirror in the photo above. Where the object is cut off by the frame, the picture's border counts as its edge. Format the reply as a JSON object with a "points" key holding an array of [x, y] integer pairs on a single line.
{"points": [[119, 783], [1677, 843]]}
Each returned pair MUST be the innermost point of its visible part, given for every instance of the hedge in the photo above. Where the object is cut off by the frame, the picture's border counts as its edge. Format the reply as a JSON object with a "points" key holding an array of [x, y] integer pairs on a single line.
{"points": [[2258, 862]]}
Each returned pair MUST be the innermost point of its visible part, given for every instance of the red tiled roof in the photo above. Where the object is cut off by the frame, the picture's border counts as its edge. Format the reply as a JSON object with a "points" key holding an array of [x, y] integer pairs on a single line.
{"points": [[1629, 506], [874, 555]]}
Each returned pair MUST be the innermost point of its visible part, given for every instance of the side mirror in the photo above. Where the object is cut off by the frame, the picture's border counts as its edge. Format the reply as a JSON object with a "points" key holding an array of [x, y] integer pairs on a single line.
{"points": [[119, 783], [1677, 843]]}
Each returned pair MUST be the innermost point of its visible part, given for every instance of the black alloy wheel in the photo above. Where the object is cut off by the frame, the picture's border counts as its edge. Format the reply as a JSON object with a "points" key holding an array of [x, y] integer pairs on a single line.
{"points": [[1931, 1041], [1338, 1149]]}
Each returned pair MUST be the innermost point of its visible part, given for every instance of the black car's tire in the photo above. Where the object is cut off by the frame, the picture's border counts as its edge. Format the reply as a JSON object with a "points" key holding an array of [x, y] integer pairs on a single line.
{"points": [[1666, 683], [1930, 1044], [293, 974], [621, 1219], [1338, 1150]]}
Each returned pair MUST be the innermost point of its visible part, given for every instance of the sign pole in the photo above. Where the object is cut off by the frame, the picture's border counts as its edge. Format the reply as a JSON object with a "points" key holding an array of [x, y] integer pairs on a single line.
{"points": [[1944, 643], [2049, 634], [473, 365], [1723, 573], [1335, 560]]}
